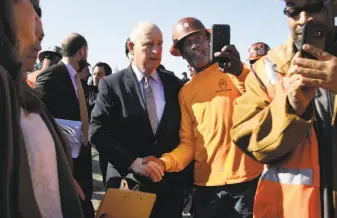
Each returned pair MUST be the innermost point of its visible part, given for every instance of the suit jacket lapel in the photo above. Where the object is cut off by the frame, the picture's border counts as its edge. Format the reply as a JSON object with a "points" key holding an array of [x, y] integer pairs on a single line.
{"points": [[167, 91], [133, 87]]}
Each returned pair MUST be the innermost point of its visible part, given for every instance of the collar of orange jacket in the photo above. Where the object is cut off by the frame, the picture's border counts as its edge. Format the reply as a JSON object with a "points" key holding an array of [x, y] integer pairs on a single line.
{"points": [[282, 55]]}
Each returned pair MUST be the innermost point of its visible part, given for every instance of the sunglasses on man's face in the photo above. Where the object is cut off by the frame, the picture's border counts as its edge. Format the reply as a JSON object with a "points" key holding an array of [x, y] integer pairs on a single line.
{"points": [[311, 9]]}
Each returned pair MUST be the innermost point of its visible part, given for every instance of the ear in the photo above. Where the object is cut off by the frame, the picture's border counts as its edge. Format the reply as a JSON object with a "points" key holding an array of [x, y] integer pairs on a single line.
{"points": [[81, 52], [182, 54], [131, 46]]}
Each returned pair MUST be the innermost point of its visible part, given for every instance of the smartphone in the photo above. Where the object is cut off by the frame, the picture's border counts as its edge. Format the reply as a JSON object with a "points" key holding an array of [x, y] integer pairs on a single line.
{"points": [[220, 36], [315, 35]]}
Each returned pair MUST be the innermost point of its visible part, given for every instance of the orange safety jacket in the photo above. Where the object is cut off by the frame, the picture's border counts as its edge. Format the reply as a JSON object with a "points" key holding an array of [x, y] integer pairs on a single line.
{"points": [[290, 184], [295, 181]]}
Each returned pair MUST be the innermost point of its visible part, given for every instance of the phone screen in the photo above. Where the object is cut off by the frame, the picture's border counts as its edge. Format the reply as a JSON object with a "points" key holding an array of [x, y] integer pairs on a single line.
{"points": [[220, 37]]}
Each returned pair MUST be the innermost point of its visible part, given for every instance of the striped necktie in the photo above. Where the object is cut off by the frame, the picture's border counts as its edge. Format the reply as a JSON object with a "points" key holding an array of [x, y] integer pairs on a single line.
{"points": [[150, 104]]}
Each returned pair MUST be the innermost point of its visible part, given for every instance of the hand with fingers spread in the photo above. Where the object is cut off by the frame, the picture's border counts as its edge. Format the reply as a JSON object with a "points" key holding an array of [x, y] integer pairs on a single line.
{"points": [[320, 73], [234, 64], [298, 93], [150, 169]]}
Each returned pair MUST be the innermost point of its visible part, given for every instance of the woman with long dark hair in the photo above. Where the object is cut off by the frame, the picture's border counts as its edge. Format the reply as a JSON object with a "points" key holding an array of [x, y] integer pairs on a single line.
{"points": [[35, 161]]}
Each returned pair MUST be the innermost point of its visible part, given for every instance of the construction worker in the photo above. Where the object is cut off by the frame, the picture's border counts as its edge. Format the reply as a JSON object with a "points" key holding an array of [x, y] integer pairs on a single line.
{"points": [[47, 58], [256, 51], [286, 120], [225, 178]]}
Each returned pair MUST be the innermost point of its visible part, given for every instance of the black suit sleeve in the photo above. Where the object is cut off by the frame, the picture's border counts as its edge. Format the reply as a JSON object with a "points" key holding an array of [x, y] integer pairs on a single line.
{"points": [[103, 117], [48, 94]]}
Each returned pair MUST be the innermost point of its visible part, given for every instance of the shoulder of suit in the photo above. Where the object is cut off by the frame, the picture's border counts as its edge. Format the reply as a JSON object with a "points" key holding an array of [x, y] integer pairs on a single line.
{"points": [[115, 76], [53, 70], [171, 75]]}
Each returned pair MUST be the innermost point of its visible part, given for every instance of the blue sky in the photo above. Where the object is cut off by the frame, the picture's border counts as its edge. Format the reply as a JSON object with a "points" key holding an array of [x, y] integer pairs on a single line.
{"points": [[107, 23]]}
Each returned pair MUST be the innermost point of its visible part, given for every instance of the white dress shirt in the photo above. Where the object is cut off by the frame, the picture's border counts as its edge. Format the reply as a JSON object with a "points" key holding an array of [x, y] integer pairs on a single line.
{"points": [[157, 89], [72, 73]]}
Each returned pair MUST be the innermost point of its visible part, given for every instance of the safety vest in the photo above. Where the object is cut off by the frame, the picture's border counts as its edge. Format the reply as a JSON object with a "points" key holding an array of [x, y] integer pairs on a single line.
{"points": [[290, 188]]}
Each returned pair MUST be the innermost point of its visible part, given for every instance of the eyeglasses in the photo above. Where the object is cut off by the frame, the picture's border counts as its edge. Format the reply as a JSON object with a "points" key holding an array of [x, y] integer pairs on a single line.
{"points": [[311, 9]]}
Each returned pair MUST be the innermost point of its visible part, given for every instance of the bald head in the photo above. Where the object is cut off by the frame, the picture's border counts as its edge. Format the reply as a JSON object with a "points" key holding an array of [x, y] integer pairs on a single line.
{"points": [[72, 44], [145, 46], [142, 29]]}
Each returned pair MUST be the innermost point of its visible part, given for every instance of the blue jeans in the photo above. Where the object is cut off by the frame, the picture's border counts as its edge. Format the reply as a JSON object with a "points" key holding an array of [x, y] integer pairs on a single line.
{"points": [[228, 201]]}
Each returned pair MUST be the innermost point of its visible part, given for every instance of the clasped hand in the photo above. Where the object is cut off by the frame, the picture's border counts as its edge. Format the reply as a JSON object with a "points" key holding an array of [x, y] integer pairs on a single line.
{"points": [[149, 168]]}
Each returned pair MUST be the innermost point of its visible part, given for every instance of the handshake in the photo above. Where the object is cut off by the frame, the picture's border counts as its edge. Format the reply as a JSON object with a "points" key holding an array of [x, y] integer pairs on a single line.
{"points": [[150, 167]]}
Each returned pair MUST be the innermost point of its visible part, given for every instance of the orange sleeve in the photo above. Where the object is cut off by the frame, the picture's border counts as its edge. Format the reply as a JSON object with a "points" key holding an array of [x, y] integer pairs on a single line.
{"points": [[266, 130], [239, 81], [180, 157]]}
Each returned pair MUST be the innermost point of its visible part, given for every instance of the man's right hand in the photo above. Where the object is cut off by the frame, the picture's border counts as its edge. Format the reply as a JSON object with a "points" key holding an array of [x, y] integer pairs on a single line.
{"points": [[299, 95], [150, 169]]}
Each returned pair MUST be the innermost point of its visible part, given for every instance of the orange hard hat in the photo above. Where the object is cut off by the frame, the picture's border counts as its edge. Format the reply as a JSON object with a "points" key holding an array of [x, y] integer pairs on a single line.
{"points": [[257, 50], [183, 28]]}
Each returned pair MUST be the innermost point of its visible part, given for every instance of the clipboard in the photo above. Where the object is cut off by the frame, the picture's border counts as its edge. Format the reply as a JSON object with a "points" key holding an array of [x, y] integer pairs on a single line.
{"points": [[125, 203]]}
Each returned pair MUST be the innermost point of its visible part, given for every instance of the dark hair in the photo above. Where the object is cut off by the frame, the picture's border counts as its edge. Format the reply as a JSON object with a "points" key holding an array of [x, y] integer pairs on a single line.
{"points": [[38, 10], [107, 68], [127, 47], [73, 44], [84, 66], [9, 58]]}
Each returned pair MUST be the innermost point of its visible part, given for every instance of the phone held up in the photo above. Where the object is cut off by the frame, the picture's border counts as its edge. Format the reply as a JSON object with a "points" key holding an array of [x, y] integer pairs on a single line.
{"points": [[314, 35], [220, 37]]}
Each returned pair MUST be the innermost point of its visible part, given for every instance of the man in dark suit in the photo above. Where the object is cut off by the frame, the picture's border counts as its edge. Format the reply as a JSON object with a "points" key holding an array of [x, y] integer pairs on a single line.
{"points": [[137, 114], [62, 93]]}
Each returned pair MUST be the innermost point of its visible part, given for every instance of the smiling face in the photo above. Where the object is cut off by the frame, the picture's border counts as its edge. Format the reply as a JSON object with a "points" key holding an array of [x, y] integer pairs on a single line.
{"points": [[300, 12], [195, 48], [146, 48]]}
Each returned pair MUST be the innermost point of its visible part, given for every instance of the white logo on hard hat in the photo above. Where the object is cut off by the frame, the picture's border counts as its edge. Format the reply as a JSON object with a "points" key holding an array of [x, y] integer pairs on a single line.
{"points": [[186, 25], [261, 51]]}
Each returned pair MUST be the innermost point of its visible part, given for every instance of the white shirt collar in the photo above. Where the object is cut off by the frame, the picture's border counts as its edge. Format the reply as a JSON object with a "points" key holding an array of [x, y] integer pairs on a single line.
{"points": [[70, 69], [140, 75]]}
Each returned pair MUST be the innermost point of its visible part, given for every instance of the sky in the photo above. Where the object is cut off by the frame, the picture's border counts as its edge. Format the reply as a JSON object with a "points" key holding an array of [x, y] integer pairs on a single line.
{"points": [[106, 24]]}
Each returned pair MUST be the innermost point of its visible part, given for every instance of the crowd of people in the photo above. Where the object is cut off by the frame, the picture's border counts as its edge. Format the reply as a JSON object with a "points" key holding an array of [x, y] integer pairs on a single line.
{"points": [[239, 140]]}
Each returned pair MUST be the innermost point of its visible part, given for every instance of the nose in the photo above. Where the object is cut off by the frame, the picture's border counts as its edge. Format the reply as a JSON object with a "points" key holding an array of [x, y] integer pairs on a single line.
{"points": [[37, 47], [304, 18], [194, 47], [155, 49]]}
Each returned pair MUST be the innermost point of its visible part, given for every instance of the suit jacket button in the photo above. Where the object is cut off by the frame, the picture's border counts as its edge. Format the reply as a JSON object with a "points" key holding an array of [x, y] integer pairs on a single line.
{"points": [[155, 142]]}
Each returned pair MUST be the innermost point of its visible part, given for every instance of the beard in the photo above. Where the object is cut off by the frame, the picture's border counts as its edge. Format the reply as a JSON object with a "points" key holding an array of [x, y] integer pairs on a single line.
{"points": [[82, 64]]}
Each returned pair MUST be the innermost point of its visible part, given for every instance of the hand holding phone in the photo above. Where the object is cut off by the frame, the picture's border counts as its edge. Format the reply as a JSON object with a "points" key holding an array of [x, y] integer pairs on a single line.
{"points": [[314, 35], [223, 52]]}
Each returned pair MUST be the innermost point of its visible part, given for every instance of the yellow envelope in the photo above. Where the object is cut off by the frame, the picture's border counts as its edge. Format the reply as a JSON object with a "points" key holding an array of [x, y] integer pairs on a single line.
{"points": [[124, 203]]}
